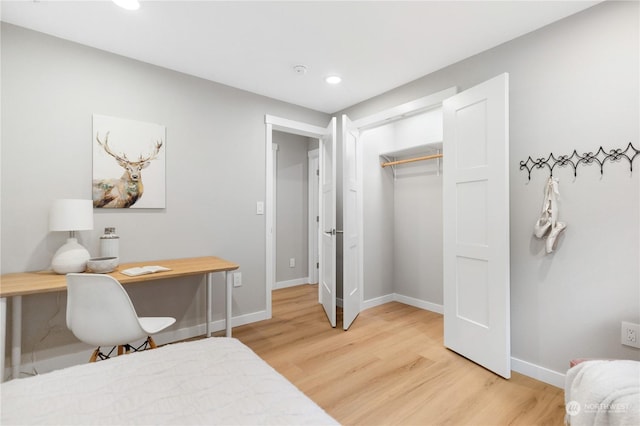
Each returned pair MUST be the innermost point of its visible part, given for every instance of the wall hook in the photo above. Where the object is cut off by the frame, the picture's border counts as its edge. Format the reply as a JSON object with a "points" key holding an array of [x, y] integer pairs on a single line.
{"points": [[575, 159]]}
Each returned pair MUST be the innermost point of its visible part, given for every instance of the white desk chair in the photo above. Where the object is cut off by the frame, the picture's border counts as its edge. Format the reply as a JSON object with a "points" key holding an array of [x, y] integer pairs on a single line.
{"points": [[100, 312]]}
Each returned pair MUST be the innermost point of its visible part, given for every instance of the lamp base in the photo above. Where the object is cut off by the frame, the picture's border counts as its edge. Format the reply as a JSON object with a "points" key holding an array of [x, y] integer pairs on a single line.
{"points": [[71, 257]]}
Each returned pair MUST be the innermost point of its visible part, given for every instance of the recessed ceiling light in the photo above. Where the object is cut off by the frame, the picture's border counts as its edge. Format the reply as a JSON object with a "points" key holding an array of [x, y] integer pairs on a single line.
{"points": [[300, 69], [128, 4], [333, 79]]}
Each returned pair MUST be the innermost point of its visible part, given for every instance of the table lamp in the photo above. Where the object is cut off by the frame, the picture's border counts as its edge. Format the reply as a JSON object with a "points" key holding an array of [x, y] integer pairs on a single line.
{"points": [[71, 215]]}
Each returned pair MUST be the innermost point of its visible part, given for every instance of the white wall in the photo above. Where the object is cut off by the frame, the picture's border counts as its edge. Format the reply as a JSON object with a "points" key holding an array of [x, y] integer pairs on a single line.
{"points": [[573, 85], [292, 212], [215, 170]]}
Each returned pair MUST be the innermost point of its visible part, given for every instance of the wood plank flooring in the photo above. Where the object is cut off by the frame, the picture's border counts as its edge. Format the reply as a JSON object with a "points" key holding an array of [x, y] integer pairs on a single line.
{"points": [[391, 368]]}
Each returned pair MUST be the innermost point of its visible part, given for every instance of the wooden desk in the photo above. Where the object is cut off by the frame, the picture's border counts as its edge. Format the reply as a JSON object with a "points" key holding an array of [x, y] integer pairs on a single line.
{"points": [[25, 283]]}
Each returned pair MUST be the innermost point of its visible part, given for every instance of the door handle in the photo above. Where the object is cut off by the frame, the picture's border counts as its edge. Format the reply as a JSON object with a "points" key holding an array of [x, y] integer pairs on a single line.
{"points": [[333, 232]]}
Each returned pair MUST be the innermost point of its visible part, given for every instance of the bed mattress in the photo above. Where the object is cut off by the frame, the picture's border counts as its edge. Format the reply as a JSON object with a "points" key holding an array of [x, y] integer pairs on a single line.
{"points": [[215, 381]]}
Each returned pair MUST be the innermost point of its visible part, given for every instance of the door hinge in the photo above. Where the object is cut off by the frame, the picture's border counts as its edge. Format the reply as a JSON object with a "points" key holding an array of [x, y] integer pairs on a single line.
{"points": [[317, 265], [318, 219], [317, 172]]}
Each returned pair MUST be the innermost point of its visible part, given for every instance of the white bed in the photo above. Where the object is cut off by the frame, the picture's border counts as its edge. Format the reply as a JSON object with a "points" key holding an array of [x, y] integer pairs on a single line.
{"points": [[216, 381], [603, 393]]}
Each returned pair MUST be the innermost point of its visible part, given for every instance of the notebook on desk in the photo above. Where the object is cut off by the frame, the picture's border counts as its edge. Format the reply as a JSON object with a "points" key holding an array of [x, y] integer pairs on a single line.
{"points": [[142, 270]]}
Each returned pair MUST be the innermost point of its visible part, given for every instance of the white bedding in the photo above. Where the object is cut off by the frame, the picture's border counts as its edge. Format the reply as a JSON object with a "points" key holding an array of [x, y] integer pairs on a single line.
{"points": [[603, 393], [215, 381]]}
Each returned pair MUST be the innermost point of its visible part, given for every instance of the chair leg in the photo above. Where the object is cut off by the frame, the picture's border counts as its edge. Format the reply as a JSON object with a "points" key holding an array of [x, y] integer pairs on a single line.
{"points": [[152, 344], [94, 355]]}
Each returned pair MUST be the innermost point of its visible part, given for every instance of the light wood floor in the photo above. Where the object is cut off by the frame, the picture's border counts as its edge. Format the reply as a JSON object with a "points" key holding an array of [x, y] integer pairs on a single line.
{"points": [[391, 368]]}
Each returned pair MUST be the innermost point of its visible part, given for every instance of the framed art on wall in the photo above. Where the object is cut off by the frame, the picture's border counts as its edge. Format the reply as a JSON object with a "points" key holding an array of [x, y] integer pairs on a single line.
{"points": [[125, 151]]}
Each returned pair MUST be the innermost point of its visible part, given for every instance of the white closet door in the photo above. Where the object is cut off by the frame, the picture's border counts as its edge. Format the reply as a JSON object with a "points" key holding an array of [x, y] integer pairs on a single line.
{"points": [[476, 225], [328, 222], [351, 285]]}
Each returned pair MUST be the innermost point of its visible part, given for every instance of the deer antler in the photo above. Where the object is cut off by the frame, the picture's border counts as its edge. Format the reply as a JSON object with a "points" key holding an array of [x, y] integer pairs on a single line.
{"points": [[105, 146], [123, 158], [152, 156]]}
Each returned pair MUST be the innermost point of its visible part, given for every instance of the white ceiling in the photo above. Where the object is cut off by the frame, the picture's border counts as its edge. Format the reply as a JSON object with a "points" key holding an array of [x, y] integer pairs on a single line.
{"points": [[374, 45]]}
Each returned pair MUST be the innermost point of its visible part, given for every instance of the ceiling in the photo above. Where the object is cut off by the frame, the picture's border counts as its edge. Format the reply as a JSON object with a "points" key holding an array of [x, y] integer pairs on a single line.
{"points": [[374, 46]]}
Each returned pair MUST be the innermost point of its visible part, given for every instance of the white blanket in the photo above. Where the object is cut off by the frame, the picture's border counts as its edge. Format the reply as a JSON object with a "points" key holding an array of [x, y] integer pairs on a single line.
{"points": [[216, 381], [603, 393]]}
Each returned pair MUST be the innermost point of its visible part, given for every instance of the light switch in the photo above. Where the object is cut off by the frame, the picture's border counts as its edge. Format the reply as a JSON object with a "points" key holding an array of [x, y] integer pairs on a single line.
{"points": [[260, 207]]}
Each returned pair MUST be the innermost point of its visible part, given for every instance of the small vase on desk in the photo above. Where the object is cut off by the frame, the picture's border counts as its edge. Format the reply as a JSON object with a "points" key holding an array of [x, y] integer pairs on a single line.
{"points": [[109, 243]]}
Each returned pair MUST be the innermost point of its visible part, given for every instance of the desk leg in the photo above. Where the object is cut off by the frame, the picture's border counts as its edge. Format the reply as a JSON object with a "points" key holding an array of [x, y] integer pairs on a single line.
{"points": [[207, 293], [3, 334], [229, 279], [16, 336]]}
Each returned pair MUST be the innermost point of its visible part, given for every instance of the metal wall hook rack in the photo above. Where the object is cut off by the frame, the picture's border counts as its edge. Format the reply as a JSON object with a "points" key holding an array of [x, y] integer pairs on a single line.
{"points": [[588, 158]]}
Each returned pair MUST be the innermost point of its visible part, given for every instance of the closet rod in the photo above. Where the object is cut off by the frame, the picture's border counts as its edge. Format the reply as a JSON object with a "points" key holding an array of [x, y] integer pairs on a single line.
{"points": [[411, 160]]}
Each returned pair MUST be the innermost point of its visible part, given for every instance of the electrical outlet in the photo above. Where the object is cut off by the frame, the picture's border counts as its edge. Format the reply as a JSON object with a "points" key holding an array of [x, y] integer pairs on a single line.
{"points": [[237, 279], [630, 334], [292, 262]]}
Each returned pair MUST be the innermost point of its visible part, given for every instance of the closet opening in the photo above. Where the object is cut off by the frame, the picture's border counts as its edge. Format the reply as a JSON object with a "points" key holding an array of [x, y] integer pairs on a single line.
{"points": [[402, 210], [373, 252], [440, 244]]}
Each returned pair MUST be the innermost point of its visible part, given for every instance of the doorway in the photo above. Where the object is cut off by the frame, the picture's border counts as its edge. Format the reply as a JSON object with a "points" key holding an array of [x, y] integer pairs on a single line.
{"points": [[295, 183], [308, 133]]}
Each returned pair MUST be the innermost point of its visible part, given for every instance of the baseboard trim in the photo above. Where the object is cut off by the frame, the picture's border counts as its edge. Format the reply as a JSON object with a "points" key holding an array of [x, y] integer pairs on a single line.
{"points": [[411, 301], [377, 301], [537, 372], [80, 352], [247, 319], [418, 303], [291, 283]]}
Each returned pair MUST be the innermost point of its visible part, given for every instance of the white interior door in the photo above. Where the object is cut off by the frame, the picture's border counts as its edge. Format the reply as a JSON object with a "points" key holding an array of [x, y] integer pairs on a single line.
{"points": [[351, 281], [476, 224], [314, 216], [327, 278]]}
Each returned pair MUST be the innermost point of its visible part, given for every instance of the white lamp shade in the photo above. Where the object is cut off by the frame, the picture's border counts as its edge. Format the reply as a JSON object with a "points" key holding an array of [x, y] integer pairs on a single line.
{"points": [[71, 215]]}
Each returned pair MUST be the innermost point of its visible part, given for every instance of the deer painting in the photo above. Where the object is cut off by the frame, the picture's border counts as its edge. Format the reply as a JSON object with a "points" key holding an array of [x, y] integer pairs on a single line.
{"points": [[122, 192]]}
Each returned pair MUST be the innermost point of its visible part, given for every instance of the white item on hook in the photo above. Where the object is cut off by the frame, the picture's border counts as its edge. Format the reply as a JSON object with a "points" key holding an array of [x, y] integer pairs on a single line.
{"points": [[543, 224], [547, 225], [552, 239]]}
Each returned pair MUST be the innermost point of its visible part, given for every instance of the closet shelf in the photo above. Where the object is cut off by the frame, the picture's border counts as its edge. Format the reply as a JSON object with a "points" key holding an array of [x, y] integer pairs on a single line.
{"points": [[411, 160], [409, 155]]}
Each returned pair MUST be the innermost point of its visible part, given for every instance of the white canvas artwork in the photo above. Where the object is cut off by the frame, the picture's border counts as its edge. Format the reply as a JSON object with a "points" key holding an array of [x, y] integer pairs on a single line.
{"points": [[128, 163]]}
